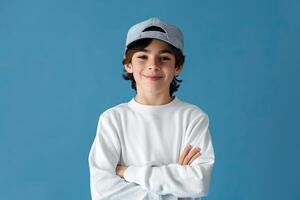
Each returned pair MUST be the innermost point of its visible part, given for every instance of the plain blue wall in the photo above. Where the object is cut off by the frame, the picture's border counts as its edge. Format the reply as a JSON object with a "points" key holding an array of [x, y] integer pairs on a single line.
{"points": [[60, 67]]}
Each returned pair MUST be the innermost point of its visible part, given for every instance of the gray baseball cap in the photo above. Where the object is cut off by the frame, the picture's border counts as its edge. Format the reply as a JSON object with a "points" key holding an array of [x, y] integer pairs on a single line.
{"points": [[172, 34]]}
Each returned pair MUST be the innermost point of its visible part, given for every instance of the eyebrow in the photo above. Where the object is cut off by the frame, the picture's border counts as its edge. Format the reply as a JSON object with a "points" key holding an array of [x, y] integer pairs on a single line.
{"points": [[161, 51]]}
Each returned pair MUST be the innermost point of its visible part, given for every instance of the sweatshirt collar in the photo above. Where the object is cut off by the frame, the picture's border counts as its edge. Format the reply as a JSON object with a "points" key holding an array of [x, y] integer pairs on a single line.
{"points": [[143, 107]]}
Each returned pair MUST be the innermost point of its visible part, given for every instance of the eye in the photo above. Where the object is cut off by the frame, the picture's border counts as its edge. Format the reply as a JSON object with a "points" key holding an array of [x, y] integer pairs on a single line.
{"points": [[165, 58], [142, 57]]}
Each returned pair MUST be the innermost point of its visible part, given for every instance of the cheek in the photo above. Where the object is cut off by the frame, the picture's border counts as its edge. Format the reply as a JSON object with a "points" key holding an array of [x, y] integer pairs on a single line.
{"points": [[170, 70], [136, 72]]}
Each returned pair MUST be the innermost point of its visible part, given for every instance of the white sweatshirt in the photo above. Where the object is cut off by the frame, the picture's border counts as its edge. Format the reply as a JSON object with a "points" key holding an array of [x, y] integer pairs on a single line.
{"points": [[149, 140]]}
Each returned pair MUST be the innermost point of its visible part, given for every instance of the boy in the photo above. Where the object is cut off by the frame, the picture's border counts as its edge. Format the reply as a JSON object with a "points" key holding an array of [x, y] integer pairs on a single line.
{"points": [[149, 148]]}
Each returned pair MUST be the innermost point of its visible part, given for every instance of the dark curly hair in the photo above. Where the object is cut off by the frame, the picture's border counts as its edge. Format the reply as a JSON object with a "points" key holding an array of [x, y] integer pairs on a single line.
{"points": [[142, 44]]}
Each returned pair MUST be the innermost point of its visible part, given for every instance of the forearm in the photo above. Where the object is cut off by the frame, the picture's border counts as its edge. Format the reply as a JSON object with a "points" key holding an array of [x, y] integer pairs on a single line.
{"points": [[175, 179], [107, 186], [189, 177]]}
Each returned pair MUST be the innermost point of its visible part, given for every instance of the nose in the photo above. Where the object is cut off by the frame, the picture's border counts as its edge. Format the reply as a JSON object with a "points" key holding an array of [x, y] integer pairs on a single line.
{"points": [[153, 64]]}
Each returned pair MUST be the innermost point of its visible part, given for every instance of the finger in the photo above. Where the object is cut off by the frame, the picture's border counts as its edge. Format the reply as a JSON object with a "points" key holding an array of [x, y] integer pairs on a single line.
{"points": [[190, 155], [117, 171], [184, 153], [194, 158]]}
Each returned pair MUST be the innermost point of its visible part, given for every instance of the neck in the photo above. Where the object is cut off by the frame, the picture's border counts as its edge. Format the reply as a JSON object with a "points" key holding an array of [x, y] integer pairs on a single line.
{"points": [[153, 99]]}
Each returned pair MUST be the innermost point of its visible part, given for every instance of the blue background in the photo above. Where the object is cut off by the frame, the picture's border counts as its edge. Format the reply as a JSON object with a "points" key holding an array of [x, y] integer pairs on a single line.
{"points": [[60, 67]]}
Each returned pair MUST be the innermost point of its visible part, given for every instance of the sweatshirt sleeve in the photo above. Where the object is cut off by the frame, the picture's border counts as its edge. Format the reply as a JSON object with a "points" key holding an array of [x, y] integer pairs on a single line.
{"points": [[103, 159], [180, 180]]}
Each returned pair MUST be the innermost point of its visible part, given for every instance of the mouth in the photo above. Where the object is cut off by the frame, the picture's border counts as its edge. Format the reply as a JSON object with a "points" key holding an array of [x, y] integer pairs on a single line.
{"points": [[153, 78]]}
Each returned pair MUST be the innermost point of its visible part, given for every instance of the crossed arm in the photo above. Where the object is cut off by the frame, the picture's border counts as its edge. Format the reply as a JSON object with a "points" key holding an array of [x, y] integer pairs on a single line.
{"points": [[189, 177], [188, 155]]}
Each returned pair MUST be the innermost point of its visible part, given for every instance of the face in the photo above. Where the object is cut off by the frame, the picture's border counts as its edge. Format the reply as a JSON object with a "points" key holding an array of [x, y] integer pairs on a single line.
{"points": [[153, 68]]}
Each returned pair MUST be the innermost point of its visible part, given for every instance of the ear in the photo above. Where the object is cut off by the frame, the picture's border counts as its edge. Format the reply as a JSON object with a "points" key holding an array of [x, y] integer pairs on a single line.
{"points": [[128, 67], [178, 70]]}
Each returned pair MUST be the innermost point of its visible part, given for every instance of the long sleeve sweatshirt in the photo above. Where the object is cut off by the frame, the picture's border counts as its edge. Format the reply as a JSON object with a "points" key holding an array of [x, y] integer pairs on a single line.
{"points": [[149, 140]]}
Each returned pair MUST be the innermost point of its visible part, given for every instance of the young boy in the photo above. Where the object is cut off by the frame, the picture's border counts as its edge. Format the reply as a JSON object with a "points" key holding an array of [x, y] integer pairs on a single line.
{"points": [[155, 146]]}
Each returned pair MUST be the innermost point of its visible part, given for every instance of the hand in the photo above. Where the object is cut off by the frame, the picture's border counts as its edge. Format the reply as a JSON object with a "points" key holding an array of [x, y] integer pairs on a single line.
{"points": [[189, 155], [120, 170]]}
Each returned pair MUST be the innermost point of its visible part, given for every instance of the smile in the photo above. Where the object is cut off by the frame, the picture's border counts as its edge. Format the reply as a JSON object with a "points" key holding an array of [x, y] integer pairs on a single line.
{"points": [[153, 78]]}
